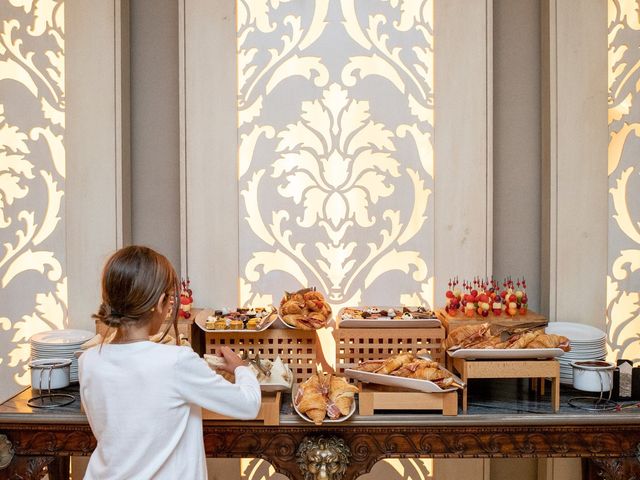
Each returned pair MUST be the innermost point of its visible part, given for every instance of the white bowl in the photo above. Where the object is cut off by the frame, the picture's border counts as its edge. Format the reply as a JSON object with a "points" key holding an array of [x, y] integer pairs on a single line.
{"points": [[593, 375], [50, 373]]}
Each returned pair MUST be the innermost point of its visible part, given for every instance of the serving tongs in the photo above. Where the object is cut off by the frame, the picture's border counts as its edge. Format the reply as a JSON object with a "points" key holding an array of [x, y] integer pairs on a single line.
{"points": [[258, 363]]}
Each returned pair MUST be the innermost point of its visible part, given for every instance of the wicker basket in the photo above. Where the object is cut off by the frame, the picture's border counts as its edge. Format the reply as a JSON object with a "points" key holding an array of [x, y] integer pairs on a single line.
{"points": [[299, 348], [354, 345]]}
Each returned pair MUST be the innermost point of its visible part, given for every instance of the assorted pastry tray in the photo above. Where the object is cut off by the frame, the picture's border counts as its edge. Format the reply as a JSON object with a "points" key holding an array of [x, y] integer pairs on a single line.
{"points": [[506, 354], [247, 320], [340, 419], [387, 317], [324, 398], [305, 309], [407, 371]]}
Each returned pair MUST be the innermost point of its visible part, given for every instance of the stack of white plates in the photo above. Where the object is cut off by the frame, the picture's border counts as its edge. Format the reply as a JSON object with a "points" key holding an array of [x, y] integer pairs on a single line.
{"points": [[587, 343], [59, 344]]}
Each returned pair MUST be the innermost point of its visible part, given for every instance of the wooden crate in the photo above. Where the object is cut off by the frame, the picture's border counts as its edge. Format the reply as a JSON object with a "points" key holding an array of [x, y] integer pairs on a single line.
{"points": [[269, 412], [452, 322], [509, 369], [354, 345], [373, 398], [298, 348]]}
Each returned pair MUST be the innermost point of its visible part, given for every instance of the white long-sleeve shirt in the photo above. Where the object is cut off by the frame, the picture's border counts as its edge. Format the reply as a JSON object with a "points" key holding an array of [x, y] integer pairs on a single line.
{"points": [[143, 401]]}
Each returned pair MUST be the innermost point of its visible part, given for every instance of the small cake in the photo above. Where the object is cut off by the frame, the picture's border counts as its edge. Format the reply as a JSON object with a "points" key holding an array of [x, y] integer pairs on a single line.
{"points": [[235, 325], [220, 324], [210, 323], [252, 324]]}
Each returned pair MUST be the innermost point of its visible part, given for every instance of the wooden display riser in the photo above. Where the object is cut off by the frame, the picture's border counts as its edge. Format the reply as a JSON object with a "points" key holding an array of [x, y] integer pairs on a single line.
{"points": [[534, 369], [269, 412], [373, 398], [451, 322]]}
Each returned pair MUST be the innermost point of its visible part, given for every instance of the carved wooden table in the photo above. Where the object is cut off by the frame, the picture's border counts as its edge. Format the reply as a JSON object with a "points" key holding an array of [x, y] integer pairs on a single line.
{"points": [[505, 421]]}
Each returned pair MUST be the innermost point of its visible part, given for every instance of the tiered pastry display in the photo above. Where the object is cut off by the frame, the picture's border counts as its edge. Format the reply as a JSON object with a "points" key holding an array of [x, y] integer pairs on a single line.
{"points": [[484, 297], [305, 309], [186, 299], [408, 366], [240, 319], [387, 317], [272, 376], [325, 397], [481, 337]]}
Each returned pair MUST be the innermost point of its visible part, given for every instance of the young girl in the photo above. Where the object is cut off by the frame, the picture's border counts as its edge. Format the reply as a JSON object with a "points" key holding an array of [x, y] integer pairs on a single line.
{"points": [[143, 399]]}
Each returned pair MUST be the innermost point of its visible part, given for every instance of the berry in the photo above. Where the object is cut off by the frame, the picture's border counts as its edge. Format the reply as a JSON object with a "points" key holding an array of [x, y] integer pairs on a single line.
{"points": [[474, 293], [449, 294], [513, 298], [485, 313]]}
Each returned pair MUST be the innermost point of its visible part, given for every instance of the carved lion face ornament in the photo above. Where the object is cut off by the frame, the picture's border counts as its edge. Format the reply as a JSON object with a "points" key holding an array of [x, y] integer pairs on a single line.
{"points": [[323, 458]]}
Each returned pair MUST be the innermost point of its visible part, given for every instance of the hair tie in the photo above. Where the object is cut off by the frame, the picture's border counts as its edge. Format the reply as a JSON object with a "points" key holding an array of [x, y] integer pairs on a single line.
{"points": [[110, 312]]}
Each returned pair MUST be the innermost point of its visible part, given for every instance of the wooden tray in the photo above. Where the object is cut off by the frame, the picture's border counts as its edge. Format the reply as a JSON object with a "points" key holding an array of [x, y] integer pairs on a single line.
{"points": [[269, 412], [300, 349], [354, 345], [452, 322], [374, 398]]}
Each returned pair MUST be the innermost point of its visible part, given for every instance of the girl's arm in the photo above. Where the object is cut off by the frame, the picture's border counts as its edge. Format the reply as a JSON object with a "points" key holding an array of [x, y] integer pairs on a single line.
{"points": [[199, 385]]}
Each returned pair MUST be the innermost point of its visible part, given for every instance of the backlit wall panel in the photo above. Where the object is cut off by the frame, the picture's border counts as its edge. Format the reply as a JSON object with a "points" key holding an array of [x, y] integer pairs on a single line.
{"points": [[335, 150], [33, 286], [623, 280]]}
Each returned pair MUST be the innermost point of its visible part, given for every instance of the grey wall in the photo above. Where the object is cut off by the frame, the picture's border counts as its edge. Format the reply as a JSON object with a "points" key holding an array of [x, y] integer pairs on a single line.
{"points": [[154, 126], [516, 136]]}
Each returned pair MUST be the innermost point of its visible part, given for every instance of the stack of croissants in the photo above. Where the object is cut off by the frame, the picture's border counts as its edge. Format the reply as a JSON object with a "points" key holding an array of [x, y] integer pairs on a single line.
{"points": [[324, 395], [480, 337], [305, 309], [407, 365]]}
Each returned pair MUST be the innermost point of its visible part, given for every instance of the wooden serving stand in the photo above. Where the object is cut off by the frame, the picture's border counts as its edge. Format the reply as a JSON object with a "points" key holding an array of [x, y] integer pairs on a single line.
{"points": [[355, 345], [451, 322], [373, 398], [269, 413], [533, 369]]}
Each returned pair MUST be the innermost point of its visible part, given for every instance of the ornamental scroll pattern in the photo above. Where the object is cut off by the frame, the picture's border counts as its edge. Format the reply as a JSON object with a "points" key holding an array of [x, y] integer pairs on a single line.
{"points": [[335, 161], [623, 280], [33, 287]]}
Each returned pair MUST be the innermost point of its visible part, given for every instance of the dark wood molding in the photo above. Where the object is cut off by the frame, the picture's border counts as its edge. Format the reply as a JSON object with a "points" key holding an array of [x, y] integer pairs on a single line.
{"points": [[369, 444]]}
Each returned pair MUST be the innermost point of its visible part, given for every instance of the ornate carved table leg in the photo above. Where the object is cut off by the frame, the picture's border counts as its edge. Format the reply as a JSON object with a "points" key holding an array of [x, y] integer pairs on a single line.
{"points": [[323, 458], [6, 452], [59, 469], [625, 468]]}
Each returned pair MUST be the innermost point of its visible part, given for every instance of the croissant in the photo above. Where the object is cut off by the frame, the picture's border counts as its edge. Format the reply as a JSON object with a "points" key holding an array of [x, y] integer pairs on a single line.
{"points": [[492, 342], [314, 405], [395, 362], [342, 393], [525, 339], [292, 319], [429, 373], [550, 340], [291, 307], [370, 365], [465, 333]]}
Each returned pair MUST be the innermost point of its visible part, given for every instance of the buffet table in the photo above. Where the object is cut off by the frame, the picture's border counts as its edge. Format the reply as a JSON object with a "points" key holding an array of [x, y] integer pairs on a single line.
{"points": [[505, 419]]}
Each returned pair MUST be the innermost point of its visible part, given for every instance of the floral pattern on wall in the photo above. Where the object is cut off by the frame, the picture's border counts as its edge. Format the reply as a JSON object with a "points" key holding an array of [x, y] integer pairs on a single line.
{"points": [[33, 286], [623, 280], [335, 133]]}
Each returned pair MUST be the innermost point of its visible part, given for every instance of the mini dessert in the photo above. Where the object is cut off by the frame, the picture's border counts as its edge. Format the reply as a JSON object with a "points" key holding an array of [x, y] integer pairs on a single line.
{"points": [[252, 324], [236, 325], [220, 324], [186, 299]]}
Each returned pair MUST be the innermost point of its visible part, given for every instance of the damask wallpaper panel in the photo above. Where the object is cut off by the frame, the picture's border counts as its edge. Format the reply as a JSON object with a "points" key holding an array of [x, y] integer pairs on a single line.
{"points": [[335, 150], [33, 285], [623, 280]]}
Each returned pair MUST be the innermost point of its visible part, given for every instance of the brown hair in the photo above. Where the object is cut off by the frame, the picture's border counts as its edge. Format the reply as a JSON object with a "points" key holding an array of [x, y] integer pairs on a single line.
{"points": [[133, 280]]}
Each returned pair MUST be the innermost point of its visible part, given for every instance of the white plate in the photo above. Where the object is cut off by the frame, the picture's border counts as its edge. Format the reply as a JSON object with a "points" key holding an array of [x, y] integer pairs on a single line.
{"points": [[400, 382], [201, 319], [62, 337], [576, 331], [506, 353], [326, 419], [386, 322]]}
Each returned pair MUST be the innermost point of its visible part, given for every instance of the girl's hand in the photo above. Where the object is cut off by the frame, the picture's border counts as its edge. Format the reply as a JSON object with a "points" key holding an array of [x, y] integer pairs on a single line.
{"points": [[232, 360]]}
